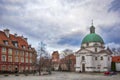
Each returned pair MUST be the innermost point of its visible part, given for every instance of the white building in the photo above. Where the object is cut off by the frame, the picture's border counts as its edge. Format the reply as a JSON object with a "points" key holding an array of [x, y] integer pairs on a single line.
{"points": [[93, 57]]}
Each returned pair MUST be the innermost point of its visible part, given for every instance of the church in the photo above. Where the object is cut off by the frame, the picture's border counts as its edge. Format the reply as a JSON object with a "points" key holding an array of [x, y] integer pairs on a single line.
{"points": [[93, 56]]}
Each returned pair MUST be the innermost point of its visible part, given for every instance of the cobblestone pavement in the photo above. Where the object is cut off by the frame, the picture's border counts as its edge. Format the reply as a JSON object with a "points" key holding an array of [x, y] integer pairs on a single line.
{"points": [[63, 76]]}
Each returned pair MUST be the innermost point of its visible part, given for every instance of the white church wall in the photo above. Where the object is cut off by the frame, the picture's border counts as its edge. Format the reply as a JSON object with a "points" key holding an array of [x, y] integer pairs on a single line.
{"points": [[89, 63], [95, 63], [77, 63], [93, 49], [109, 62], [83, 61]]}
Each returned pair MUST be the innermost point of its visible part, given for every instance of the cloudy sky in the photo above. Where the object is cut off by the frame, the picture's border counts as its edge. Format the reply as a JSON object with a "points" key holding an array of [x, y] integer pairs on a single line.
{"points": [[61, 24]]}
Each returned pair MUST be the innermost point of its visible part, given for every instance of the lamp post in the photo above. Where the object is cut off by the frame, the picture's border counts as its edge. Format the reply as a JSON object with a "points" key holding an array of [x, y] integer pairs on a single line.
{"points": [[13, 68]]}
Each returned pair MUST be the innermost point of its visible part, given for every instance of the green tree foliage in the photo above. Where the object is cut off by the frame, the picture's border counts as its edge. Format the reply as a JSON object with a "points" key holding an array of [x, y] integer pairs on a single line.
{"points": [[113, 66]]}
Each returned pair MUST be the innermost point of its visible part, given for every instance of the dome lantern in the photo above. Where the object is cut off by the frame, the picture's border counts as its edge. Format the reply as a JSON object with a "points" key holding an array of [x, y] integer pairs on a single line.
{"points": [[92, 28], [92, 37]]}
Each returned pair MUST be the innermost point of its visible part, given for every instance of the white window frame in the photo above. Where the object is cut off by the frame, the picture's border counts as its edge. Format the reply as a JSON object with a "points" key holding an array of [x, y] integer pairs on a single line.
{"points": [[22, 53], [16, 59], [10, 67], [10, 51], [16, 52], [30, 54], [3, 67], [4, 59], [10, 60], [22, 59], [26, 54], [4, 49], [26, 60]]}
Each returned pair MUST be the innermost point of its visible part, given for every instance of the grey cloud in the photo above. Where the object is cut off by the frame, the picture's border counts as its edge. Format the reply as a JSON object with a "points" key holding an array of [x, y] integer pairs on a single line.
{"points": [[53, 20]]}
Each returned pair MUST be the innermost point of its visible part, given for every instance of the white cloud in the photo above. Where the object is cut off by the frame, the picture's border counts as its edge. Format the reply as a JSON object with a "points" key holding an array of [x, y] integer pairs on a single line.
{"points": [[113, 45], [49, 20]]}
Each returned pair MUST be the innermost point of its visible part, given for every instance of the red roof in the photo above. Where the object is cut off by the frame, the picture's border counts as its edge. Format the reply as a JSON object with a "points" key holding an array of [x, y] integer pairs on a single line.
{"points": [[116, 59], [20, 40]]}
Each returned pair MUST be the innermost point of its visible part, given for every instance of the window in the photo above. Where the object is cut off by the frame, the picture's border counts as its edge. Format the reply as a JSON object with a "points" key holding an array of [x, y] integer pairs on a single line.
{"points": [[22, 59], [87, 44], [10, 68], [23, 47], [30, 60], [10, 51], [5, 42], [26, 67], [83, 58], [3, 57], [26, 54], [16, 44], [3, 49], [26, 60], [30, 68], [95, 58], [16, 59], [30, 54], [9, 58], [3, 67], [95, 49], [22, 53], [16, 52], [101, 58]]}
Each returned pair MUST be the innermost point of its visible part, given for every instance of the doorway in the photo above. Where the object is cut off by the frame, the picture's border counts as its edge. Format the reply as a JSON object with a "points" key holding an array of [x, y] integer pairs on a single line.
{"points": [[83, 67], [16, 69]]}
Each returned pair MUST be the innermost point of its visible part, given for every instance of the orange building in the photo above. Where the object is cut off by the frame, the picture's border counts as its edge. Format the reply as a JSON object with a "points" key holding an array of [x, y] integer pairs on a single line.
{"points": [[55, 60], [15, 53], [68, 63]]}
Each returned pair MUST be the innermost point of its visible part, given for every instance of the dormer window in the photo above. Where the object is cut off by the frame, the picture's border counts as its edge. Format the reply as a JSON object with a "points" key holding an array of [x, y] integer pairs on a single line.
{"points": [[23, 46], [5, 42], [15, 43], [29, 47]]}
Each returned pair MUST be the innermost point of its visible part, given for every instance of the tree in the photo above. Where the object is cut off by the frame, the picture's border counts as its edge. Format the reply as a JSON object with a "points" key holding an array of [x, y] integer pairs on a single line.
{"points": [[44, 57], [113, 66]]}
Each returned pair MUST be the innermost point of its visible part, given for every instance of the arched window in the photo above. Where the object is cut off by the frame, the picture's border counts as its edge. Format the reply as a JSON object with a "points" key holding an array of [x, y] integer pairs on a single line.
{"points": [[83, 58], [95, 58], [87, 44], [95, 49], [101, 58]]}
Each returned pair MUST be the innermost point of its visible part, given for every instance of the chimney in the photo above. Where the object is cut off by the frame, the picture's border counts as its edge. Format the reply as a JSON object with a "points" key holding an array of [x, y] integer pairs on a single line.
{"points": [[25, 39], [15, 34], [6, 31], [30, 45]]}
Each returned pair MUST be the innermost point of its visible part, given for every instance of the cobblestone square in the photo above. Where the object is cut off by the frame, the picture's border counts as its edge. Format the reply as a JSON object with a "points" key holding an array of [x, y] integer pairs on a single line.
{"points": [[63, 76]]}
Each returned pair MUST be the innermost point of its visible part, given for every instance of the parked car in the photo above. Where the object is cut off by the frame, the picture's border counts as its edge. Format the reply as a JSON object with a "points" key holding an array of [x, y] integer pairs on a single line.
{"points": [[107, 73]]}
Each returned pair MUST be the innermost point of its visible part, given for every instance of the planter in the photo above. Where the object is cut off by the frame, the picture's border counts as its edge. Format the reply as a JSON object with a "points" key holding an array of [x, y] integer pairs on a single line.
{"points": [[6, 75], [16, 74]]}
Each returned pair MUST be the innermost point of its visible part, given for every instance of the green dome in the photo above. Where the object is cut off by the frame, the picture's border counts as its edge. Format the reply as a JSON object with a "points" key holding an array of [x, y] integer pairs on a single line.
{"points": [[92, 37]]}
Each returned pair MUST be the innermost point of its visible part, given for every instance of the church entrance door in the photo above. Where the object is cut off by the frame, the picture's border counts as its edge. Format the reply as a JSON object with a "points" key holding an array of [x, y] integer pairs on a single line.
{"points": [[83, 67]]}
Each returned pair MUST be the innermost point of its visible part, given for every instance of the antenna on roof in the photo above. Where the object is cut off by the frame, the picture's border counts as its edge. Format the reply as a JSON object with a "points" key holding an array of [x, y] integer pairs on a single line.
{"points": [[92, 22]]}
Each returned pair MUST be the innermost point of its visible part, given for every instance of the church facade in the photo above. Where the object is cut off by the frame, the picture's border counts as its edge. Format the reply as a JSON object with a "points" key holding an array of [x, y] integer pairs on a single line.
{"points": [[93, 56]]}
